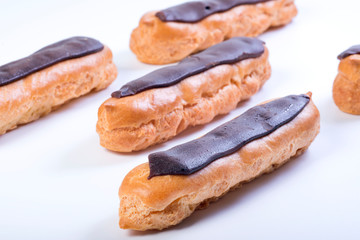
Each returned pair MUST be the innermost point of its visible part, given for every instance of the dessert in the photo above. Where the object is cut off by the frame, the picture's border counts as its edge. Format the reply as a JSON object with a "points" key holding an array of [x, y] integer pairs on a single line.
{"points": [[163, 103], [176, 182], [35, 85], [346, 87], [171, 34]]}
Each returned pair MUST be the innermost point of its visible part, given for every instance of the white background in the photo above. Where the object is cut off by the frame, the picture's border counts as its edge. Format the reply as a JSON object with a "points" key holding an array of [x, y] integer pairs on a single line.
{"points": [[57, 182]]}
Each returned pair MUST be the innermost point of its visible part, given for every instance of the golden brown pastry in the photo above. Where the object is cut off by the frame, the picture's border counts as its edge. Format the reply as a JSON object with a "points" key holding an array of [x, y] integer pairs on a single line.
{"points": [[181, 33], [171, 186], [151, 110], [33, 86], [346, 87]]}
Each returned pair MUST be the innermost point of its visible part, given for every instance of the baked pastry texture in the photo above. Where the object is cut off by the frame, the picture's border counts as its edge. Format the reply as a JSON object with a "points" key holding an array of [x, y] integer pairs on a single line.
{"points": [[34, 86], [131, 120], [157, 199], [346, 87], [157, 41]]}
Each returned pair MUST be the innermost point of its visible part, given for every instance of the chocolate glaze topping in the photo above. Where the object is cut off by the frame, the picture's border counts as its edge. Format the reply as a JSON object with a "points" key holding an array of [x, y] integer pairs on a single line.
{"points": [[228, 138], [227, 52], [351, 51], [192, 12], [66, 49]]}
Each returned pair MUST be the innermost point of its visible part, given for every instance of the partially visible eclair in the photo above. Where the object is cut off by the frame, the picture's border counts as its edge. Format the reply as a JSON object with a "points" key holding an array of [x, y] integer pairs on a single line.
{"points": [[346, 87], [171, 34], [163, 103], [33, 86]]}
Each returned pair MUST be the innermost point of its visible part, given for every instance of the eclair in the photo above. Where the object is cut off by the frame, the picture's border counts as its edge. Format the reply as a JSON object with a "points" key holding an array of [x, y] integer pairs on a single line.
{"points": [[163, 103], [171, 34], [35, 85], [176, 182], [346, 87]]}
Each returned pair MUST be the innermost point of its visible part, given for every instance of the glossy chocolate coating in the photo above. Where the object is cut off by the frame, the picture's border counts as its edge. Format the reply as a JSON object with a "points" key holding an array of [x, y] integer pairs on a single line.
{"points": [[66, 49], [228, 138], [227, 52], [192, 12], [351, 51]]}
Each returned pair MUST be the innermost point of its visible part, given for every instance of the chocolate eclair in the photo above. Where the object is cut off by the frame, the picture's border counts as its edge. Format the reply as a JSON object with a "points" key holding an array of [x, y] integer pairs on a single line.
{"points": [[346, 87], [33, 86], [176, 182], [163, 103], [171, 34]]}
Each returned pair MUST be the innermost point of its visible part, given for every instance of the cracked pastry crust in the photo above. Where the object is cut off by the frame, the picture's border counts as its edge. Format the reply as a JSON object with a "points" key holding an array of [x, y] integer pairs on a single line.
{"points": [[173, 41], [346, 87], [136, 122], [164, 201], [39, 93]]}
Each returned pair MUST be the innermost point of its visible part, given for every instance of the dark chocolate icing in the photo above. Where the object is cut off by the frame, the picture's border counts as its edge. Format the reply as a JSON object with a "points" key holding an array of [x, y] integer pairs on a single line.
{"points": [[228, 138], [227, 52], [66, 49], [191, 12], [351, 51]]}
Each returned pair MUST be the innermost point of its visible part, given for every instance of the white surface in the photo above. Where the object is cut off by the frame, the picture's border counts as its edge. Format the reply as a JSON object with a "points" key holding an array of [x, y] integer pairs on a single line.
{"points": [[57, 182]]}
